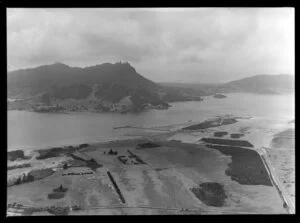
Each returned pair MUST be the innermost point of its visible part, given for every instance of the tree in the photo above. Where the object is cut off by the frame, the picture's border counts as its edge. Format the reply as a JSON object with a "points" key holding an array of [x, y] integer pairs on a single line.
{"points": [[18, 181], [65, 166], [284, 205], [30, 178]]}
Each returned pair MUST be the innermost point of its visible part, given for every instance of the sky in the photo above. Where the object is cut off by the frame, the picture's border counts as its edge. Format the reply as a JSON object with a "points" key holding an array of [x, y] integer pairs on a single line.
{"points": [[202, 45]]}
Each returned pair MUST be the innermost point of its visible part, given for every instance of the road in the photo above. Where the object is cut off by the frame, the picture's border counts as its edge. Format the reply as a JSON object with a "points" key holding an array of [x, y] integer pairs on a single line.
{"points": [[276, 181]]}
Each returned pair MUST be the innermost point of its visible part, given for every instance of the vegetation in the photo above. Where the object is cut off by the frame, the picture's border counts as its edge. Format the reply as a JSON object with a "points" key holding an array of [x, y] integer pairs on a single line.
{"points": [[113, 92], [92, 164], [24, 165], [56, 195], [24, 179], [59, 210], [49, 153], [55, 108], [33, 175], [236, 135], [116, 187], [220, 134], [142, 96], [84, 145], [228, 142], [111, 152], [174, 90], [175, 94], [65, 166], [41, 173], [147, 145], [46, 99], [211, 194], [16, 154], [246, 166], [219, 96], [57, 151], [76, 91], [211, 123], [71, 174]]}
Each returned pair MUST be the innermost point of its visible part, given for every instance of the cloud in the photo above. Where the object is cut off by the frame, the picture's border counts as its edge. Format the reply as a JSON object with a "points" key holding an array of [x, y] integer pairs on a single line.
{"points": [[231, 42]]}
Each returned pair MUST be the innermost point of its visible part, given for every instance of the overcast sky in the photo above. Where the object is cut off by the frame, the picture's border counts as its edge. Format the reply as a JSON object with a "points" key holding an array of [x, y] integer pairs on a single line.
{"points": [[172, 45]]}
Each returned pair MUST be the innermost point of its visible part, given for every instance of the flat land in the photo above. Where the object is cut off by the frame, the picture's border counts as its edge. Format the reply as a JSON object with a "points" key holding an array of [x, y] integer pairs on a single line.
{"points": [[161, 184]]}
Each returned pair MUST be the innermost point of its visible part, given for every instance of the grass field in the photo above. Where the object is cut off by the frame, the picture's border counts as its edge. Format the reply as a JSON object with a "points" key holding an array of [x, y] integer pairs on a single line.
{"points": [[160, 186]]}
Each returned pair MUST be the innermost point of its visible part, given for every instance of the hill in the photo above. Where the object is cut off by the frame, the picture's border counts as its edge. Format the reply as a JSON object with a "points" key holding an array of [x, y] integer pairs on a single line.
{"points": [[260, 84], [192, 89], [39, 79], [269, 84], [104, 87]]}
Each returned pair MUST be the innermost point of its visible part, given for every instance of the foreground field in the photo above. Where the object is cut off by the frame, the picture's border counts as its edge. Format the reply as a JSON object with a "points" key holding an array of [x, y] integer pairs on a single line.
{"points": [[156, 180]]}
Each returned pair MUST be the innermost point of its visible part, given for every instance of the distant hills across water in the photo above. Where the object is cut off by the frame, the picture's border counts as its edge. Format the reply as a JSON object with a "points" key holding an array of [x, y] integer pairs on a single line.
{"points": [[117, 87]]}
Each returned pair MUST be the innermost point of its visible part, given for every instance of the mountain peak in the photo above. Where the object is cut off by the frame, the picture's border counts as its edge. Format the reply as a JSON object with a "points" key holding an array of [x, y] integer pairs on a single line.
{"points": [[120, 62], [123, 64]]}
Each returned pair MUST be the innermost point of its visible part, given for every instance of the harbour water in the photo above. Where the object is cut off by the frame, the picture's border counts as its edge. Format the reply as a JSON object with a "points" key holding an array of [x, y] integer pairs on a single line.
{"points": [[28, 130]]}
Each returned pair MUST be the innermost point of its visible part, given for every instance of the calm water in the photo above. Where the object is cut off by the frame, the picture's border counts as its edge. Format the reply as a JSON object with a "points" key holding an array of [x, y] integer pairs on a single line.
{"points": [[36, 130]]}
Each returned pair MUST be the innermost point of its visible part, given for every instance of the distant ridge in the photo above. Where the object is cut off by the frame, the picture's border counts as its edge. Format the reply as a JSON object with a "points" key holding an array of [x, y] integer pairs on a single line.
{"points": [[280, 83], [260, 84]]}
